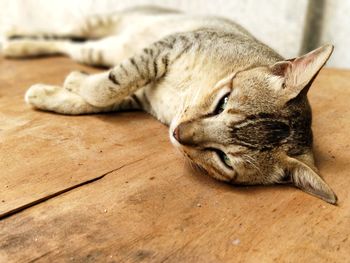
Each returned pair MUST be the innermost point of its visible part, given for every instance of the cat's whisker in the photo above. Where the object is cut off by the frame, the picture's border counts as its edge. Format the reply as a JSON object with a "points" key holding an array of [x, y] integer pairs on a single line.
{"points": [[195, 166], [195, 97], [251, 161]]}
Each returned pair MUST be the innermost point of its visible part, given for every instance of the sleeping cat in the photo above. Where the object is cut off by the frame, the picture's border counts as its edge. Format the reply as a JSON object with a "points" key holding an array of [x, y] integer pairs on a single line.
{"points": [[235, 107]]}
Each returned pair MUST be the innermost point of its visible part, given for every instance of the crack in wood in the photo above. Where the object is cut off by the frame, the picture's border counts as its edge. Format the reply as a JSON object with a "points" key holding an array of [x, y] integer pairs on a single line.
{"points": [[41, 256], [48, 197]]}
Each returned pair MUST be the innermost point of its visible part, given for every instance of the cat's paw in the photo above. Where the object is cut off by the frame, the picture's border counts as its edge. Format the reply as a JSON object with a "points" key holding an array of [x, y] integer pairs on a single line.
{"points": [[57, 99], [38, 95], [74, 81]]}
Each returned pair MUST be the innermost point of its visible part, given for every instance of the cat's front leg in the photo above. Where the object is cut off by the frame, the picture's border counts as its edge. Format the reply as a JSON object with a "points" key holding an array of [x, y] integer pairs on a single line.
{"points": [[149, 66], [60, 100], [123, 80], [82, 93], [110, 89]]}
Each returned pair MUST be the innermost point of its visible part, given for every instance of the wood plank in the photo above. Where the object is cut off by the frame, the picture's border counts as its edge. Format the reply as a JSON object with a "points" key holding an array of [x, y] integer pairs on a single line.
{"points": [[156, 208], [43, 154]]}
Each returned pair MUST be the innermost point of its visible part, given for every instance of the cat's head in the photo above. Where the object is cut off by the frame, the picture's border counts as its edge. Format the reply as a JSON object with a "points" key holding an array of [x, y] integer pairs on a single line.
{"points": [[254, 127]]}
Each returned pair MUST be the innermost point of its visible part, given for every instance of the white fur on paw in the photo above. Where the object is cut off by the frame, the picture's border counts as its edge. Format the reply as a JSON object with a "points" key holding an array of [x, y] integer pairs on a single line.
{"points": [[37, 94], [74, 81], [57, 99]]}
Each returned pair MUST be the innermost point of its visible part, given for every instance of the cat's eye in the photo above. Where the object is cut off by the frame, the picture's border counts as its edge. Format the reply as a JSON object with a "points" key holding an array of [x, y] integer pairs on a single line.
{"points": [[222, 104], [224, 158]]}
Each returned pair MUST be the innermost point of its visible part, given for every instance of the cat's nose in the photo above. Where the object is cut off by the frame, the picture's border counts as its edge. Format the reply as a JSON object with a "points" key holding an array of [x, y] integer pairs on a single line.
{"points": [[176, 133], [196, 133], [184, 133]]}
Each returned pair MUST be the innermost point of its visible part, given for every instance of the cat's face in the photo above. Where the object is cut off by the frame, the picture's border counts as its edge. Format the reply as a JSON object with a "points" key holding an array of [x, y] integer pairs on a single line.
{"points": [[254, 127]]}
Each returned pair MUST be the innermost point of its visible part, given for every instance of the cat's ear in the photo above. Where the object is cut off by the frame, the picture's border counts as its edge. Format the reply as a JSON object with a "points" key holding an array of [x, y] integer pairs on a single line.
{"points": [[299, 72], [306, 178]]}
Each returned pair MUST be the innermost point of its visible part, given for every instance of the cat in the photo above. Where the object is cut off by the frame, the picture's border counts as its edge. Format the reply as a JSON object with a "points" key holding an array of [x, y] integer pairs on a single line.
{"points": [[235, 107]]}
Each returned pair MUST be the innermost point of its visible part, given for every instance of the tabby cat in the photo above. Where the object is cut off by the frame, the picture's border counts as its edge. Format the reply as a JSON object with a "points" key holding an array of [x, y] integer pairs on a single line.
{"points": [[235, 107]]}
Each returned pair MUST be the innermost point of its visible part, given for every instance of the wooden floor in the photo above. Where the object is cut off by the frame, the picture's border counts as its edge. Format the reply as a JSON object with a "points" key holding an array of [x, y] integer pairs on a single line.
{"points": [[111, 188]]}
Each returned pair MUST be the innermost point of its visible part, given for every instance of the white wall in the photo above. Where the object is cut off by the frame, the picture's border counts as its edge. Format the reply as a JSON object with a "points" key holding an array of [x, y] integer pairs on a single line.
{"points": [[336, 30], [278, 23]]}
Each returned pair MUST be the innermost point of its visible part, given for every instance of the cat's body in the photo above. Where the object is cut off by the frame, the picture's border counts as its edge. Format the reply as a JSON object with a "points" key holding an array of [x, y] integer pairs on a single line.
{"points": [[235, 107], [117, 37]]}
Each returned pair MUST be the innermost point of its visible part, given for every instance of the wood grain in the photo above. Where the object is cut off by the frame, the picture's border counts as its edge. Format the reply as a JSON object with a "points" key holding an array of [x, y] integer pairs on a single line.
{"points": [[153, 207]]}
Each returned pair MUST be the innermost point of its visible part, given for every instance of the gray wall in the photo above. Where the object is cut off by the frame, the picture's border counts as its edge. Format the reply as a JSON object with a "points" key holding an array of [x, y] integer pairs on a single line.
{"points": [[290, 27]]}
